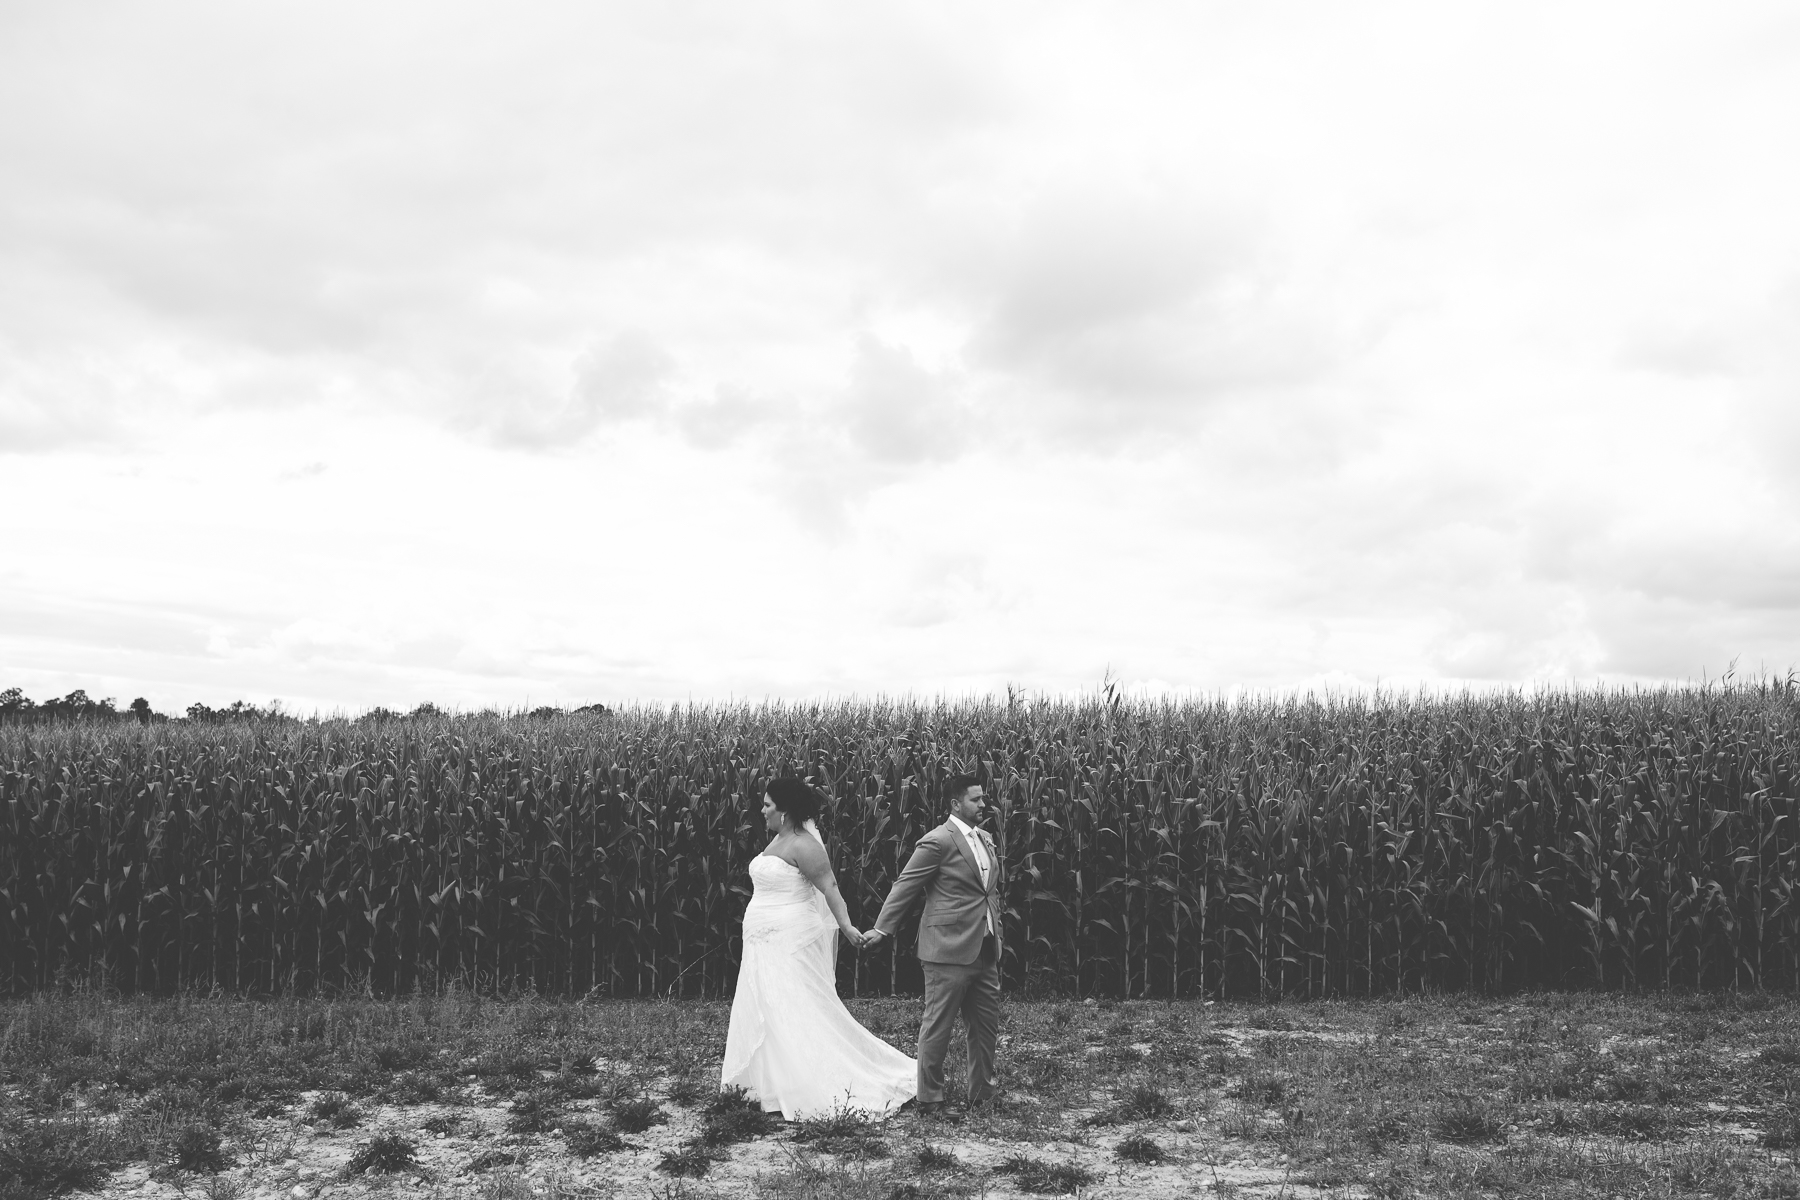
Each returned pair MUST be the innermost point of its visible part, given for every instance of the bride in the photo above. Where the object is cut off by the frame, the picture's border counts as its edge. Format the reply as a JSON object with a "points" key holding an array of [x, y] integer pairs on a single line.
{"points": [[792, 1044]]}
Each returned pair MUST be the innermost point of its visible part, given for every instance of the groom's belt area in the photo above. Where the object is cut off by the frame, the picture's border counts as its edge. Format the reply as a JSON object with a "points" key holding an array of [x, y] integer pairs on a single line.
{"points": [[967, 912]]}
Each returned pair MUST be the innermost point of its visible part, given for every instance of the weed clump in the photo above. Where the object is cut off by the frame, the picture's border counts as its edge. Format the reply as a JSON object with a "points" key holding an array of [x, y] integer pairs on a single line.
{"points": [[51, 1157], [1781, 1129], [401, 1057], [687, 1090], [197, 1148], [843, 1131], [1050, 1179], [689, 1162], [384, 1154], [1139, 1149], [586, 1140], [933, 1158], [535, 1112], [1261, 1085], [503, 1072], [487, 1160], [335, 1109], [732, 1116], [1639, 1122], [1785, 1053], [1145, 1104], [445, 1123], [1469, 1121], [411, 1088], [635, 1116]]}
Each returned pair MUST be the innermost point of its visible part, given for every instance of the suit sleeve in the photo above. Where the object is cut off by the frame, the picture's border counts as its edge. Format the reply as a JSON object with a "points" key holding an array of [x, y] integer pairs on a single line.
{"points": [[920, 868]]}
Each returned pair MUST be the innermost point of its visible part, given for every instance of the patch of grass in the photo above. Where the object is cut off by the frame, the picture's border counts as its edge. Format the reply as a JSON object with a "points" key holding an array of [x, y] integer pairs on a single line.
{"points": [[1045, 1071], [198, 1148], [48, 1158], [687, 1162], [732, 1116], [1261, 1085], [403, 1057], [736, 1125], [411, 1088], [1145, 1104], [1049, 1179], [688, 1090], [1640, 1122], [506, 1070], [586, 1140], [487, 1160], [635, 1116], [1468, 1120], [1139, 1149], [445, 1123], [383, 1154], [934, 1158], [1784, 1053], [335, 1110], [1781, 1128], [841, 1131], [536, 1111], [1381, 1127], [1140, 1104], [575, 1085]]}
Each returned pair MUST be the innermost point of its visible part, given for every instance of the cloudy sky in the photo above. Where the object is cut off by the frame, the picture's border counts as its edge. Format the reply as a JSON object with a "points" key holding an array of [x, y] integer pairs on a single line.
{"points": [[365, 354]]}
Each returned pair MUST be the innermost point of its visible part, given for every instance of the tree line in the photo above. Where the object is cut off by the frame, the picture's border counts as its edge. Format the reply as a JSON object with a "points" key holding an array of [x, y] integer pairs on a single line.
{"points": [[16, 708]]}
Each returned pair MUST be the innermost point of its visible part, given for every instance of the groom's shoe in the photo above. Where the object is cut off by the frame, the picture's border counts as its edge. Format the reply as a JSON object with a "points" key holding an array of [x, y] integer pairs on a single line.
{"points": [[926, 1108]]}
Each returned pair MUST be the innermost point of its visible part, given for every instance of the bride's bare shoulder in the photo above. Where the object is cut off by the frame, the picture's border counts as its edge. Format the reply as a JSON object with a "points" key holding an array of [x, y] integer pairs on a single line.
{"points": [[807, 853]]}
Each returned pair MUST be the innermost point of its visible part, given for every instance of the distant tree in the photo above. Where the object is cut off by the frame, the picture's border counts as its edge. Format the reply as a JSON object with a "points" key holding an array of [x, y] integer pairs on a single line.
{"points": [[546, 710], [593, 710], [237, 710], [427, 709], [77, 705], [140, 708], [15, 706]]}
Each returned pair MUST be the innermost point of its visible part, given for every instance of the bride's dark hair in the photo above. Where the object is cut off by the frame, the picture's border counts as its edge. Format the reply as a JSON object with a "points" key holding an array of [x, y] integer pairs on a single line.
{"points": [[795, 798]]}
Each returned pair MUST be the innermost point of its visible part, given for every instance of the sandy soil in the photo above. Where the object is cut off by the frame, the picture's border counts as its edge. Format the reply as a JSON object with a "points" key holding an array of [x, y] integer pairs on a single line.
{"points": [[287, 1158]]}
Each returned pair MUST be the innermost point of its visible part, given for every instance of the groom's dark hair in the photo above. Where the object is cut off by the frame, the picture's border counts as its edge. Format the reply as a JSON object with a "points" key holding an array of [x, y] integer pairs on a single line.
{"points": [[956, 785], [796, 798]]}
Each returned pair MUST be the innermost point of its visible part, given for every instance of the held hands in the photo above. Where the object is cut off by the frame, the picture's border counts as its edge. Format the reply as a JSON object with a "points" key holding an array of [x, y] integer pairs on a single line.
{"points": [[872, 938], [854, 937]]}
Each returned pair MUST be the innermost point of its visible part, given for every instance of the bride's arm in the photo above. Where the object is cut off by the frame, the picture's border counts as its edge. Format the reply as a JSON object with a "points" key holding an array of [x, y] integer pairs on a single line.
{"points": [[809, 856]]}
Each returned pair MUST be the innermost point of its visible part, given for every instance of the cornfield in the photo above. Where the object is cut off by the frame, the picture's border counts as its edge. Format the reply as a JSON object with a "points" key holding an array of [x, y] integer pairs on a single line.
{"points": [[1297, 847]]}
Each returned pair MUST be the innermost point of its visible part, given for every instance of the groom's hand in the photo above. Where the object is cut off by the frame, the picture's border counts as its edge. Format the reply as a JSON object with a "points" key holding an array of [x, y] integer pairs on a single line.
{"points": [[871, 937]]}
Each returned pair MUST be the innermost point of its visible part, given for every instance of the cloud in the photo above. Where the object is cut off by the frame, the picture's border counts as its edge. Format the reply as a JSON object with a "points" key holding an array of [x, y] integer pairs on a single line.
{"points": [[1402, 341], [621, 378], [895, 411]]}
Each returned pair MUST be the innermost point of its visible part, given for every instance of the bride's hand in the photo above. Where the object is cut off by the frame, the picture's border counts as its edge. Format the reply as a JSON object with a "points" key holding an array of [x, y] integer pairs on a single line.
{"points": [[855, 937]]}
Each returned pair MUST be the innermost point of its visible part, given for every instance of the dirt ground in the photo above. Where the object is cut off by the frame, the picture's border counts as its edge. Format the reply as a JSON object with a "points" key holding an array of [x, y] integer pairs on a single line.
{"points": [[1537, 1096]]}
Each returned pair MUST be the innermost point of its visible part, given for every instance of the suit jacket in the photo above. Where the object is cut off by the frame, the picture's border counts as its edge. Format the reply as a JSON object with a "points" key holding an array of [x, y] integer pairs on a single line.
{"points": [[957, 906]]}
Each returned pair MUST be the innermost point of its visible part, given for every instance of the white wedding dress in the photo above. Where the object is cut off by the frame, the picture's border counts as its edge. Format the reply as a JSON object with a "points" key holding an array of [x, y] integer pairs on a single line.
{"points": [[792, 1044]]}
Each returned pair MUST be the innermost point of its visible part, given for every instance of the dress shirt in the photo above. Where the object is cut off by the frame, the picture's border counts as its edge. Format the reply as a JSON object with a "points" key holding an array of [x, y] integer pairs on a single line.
{"points": [[979, 853]]}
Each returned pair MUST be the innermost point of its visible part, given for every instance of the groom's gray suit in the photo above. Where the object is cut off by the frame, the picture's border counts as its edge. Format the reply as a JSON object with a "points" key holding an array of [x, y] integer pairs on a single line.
{"points": [[959, 948]]}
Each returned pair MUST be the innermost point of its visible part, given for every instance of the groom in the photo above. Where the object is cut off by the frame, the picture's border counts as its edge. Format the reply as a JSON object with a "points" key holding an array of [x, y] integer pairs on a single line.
{"points": [[955, 869]]}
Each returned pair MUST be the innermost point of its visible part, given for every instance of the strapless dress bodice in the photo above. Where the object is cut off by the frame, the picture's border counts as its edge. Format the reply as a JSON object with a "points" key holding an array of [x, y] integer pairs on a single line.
{"points": [[778, 881]]}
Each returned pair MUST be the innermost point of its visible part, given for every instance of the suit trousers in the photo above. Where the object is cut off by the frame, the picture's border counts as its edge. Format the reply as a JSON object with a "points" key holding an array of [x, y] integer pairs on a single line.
{"points": [[972, 989]]}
